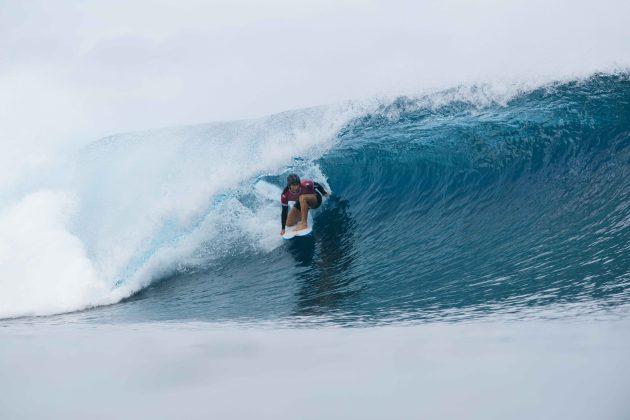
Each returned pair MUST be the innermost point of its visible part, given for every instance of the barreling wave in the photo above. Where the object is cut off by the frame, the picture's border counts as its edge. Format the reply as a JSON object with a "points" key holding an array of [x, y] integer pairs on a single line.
{"points": [[501, 207], [444, 206]]}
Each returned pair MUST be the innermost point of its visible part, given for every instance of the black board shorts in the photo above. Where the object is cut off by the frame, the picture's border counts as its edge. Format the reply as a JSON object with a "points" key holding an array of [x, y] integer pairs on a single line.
{"points": [[319, 202]]}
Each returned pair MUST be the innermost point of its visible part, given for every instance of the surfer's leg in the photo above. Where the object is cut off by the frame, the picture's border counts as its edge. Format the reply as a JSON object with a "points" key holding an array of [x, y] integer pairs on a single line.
{"points": [[307, 201], [293, 216]]}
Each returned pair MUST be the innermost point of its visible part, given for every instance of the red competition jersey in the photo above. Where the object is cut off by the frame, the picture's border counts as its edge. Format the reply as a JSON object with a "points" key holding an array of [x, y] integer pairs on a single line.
{"points": [[306, 187]]}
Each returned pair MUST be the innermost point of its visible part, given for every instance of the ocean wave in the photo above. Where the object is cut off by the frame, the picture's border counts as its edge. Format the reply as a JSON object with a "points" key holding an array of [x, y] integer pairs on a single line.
{"points": [[471, 200]]}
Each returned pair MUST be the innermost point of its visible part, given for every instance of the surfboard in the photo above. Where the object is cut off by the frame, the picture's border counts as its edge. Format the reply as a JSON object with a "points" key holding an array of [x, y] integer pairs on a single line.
{"points": [[290, 232]]}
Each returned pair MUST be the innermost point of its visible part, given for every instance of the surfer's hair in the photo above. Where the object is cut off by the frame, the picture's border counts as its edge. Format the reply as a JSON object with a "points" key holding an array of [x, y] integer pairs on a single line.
{"points": [[293, 179]]}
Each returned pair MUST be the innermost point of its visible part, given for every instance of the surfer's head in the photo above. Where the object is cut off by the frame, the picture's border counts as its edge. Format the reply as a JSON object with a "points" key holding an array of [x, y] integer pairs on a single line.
{"points": [[293, 182]]}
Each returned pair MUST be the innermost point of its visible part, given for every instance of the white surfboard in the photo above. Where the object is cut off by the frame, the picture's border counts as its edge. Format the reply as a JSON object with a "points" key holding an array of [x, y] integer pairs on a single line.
{"points": [[290, 232]]}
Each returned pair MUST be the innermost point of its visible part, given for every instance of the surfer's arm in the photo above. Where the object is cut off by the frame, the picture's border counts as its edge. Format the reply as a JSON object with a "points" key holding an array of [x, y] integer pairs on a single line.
{"points": [[320, 188], [284, 200], [283, 217]]}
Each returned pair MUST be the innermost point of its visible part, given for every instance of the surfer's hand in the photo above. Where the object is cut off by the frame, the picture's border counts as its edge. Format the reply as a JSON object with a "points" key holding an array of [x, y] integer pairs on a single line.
{"points": [[282, 232]]}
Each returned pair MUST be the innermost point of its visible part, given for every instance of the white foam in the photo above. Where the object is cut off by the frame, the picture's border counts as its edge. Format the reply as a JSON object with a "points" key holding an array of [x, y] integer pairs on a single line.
{"points": [[145, 204], [43, 267], [146, 189]]}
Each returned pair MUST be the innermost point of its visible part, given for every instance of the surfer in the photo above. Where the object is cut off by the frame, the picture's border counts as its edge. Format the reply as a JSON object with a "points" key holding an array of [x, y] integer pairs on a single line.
{"points": [[306, 194]]}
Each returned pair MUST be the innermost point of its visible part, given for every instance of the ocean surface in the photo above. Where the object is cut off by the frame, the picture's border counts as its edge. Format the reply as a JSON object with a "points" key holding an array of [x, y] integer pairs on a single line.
{"points": [[473, 261]]}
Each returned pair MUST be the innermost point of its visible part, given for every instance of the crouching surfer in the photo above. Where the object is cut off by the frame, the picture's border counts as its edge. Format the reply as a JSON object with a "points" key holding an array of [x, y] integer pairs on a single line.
{"points": [[306, 194]]}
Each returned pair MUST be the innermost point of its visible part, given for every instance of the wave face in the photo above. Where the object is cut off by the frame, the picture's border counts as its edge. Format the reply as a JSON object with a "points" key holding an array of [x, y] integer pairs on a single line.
{"points": [[495, 208], [448, 206]]}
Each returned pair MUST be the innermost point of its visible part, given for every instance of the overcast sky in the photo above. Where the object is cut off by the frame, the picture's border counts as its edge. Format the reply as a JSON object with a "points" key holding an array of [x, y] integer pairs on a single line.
{"points": [[75, 70]]}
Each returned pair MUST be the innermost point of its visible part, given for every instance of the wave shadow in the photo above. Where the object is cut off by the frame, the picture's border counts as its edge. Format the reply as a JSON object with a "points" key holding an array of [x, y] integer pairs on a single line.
{"points": [[327, 258]]}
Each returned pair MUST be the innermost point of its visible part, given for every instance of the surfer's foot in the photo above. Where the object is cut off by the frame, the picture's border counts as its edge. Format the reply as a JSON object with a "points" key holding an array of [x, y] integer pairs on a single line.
{"points": [[301, 227]]}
